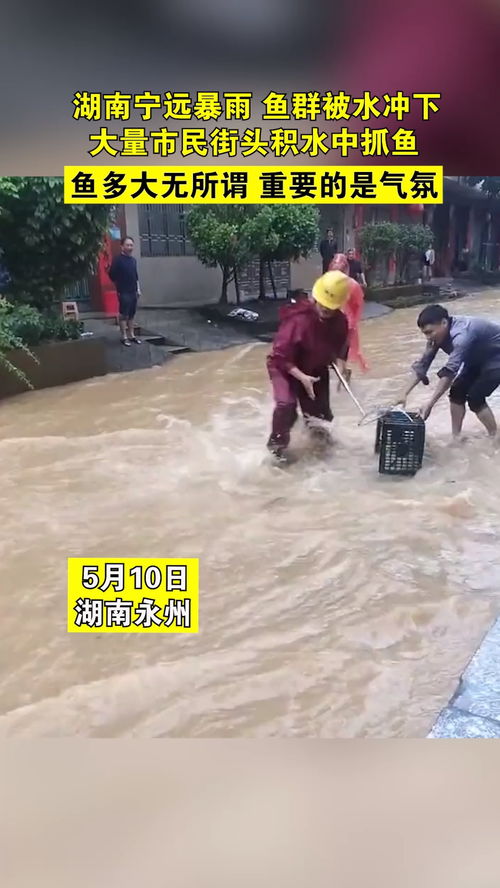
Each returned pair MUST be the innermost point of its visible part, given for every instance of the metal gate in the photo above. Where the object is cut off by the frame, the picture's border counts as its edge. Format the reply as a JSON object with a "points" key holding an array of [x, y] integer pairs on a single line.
{"points": [[248, 280]]}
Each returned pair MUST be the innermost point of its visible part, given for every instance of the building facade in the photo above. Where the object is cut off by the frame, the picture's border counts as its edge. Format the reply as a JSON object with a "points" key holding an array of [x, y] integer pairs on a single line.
{"points": [[466, 229], [170, 273]]}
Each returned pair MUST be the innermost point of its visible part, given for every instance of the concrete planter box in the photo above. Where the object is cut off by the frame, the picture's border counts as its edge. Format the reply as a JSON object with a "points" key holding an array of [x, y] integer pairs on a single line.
{"points": [[412, 294], [60, 363], [392, 294]]}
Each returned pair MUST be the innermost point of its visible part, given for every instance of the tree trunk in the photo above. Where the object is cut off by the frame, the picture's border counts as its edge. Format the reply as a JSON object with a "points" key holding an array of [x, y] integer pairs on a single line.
{"points": [[225, 281], [387, 263], [270, 269], [403, 267], [397, 268], [262, 279], [236, 286]]}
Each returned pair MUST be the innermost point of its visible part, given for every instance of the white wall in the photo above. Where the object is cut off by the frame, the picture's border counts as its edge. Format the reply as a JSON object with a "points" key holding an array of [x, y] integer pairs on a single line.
{"points": [[169, 280], [304, 272]]}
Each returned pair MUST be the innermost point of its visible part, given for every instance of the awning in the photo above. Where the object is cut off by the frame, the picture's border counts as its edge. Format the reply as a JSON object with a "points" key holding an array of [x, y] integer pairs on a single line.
{"points": [[463, 195]]}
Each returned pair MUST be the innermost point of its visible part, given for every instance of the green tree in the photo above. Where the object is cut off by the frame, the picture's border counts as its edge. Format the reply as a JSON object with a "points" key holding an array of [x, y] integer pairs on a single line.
{"points": [[220, 237], [378, 242], [295, 231], [412, 241], [263, 242], [382, 241], [280, 233], [231, 236], [47, 244]]}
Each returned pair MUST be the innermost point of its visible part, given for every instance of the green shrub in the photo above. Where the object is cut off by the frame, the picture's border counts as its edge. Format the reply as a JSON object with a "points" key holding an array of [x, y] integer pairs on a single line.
{"points": [[25, 323], [10, 340], [31, 327], [380, 241], [55, 327], [24, 327]]}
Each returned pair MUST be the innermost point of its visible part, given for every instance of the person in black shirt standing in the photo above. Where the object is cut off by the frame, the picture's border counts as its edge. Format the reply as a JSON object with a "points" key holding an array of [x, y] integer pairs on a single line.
{"points": [[328, 248], [355, 268], [123, 273]]}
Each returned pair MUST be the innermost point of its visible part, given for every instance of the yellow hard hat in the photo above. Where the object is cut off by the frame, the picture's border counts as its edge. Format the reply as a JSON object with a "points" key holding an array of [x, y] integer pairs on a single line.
{"points": [[331, 290]]}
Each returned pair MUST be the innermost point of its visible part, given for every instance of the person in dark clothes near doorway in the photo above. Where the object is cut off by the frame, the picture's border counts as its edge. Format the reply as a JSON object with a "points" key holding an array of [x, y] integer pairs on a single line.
{"points": [[355, 268], [328, 248], [123, 273]]}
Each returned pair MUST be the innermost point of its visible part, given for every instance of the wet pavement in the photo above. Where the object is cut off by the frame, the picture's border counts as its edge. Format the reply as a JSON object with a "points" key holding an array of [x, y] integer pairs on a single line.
{"points": [[474, 710]]}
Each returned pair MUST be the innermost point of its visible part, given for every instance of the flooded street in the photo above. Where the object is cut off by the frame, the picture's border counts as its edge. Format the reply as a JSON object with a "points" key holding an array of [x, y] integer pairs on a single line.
{"points": [[334, 602]]}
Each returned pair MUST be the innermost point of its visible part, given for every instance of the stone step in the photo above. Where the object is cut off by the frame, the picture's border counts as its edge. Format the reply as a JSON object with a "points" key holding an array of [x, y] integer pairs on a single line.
{"points": [[162, 342], [177, 349], [153, 338]]}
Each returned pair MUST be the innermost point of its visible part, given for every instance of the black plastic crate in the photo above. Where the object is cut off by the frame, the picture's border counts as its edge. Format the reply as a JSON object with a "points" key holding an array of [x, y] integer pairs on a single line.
{"points": [[400, 443]]}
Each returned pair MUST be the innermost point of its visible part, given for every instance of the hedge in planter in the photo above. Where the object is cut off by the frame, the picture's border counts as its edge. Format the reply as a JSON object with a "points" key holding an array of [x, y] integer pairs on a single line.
{"points": [[10, 340], [24, 327], [32, 327]]}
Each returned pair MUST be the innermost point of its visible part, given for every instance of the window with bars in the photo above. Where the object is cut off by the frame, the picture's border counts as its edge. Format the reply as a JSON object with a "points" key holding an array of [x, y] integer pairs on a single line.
{"points": [[162, 230]]}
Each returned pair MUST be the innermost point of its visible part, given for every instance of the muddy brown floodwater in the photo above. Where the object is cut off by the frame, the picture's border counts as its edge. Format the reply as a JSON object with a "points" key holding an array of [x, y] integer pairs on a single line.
{"points": [[334, 602]]}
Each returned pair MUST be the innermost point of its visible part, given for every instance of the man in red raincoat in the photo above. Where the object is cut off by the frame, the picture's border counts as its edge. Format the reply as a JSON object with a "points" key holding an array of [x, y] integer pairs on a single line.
{"points": [[311, 336]]}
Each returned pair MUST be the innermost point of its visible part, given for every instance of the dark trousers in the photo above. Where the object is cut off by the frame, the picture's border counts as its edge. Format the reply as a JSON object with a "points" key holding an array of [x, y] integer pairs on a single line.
{"points": [[473, 386], [288, 394]]}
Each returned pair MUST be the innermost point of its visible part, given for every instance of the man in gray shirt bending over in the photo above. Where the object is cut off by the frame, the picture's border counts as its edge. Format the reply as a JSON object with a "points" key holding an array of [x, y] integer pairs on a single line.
{"points": [[472, 372]]}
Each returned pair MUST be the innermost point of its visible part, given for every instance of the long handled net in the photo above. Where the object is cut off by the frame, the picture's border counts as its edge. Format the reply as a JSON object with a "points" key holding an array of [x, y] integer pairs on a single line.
{"points": [[374, 413]]}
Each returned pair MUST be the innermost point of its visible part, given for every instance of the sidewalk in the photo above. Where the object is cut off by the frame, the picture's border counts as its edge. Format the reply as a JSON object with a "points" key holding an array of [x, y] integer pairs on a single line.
{"points": [[138, 357], [474, 710]]}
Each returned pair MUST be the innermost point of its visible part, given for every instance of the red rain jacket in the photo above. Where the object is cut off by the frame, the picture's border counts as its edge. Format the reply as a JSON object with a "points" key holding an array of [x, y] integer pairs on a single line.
{"points": [[306, 341]]}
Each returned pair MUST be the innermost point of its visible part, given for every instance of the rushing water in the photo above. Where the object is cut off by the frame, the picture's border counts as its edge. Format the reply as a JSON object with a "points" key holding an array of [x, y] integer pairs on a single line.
{"points": [[335, 602]]}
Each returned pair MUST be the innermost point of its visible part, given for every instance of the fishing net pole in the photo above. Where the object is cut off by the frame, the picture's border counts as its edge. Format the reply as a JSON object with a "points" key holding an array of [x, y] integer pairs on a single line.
{"points": [[374, 413]]}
